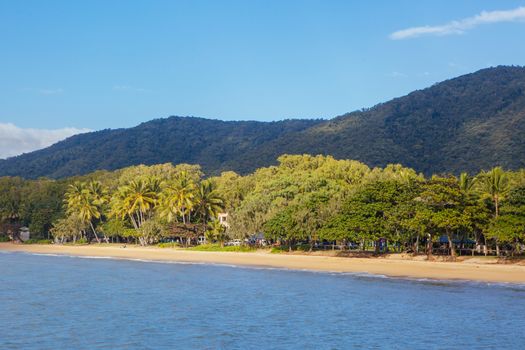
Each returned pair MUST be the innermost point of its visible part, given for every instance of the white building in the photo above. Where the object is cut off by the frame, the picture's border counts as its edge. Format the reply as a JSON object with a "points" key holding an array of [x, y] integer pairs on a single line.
{"points": [[223, 219]]}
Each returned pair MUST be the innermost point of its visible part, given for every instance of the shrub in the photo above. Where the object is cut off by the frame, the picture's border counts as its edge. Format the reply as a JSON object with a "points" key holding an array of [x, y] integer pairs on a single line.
{"points": [[4, 239], [168, 245], [303, 247], [277, 250], [83, 240], [218, 248], [286, 248], [38, 241]]}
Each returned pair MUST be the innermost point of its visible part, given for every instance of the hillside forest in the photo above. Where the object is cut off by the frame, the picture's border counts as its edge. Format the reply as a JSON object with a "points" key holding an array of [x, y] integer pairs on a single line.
{"points": [[468, 123]]}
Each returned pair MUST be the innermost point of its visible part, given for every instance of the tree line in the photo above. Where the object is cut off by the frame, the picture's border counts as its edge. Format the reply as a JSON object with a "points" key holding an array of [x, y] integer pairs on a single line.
{"points": [[304, 200]]}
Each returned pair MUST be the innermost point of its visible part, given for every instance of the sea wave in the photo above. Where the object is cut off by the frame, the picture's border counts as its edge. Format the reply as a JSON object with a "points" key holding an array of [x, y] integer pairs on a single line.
{"points": [[359, 275]]}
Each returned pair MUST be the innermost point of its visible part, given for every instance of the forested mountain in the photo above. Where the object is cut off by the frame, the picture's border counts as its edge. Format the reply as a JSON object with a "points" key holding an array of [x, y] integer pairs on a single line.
{"points": [[472, 122], [213, 143]]}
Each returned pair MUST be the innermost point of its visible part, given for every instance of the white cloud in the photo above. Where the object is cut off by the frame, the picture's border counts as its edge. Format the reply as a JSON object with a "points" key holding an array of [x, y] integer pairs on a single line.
{"points": [[15, 140], [462, 25]]}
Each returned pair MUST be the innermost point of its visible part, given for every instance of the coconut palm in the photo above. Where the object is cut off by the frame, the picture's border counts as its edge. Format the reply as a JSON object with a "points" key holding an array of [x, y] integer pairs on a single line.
{"points": [[98, 192], [216, 231], [178, 199], [10, 212], [466, 183], [85, 202], [207, 202], [75, 193], [99, 196], [136, 200], [494, 184]]}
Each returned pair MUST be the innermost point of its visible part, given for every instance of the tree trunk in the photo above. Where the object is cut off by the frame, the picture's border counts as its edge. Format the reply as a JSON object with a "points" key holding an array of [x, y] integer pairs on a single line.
{"points": [[498, 253], [135, 226], [94, 232], [429, 246], [478, 244], [451, 246], [496, 205], [416, 248]]}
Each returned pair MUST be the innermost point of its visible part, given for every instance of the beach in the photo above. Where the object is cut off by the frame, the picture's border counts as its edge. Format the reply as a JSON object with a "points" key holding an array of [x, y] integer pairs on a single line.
{"points": [[393, 267]]}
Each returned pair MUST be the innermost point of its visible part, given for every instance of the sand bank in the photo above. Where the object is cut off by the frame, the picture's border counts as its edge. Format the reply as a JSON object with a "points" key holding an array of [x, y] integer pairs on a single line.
{"points": [[389, 267]]}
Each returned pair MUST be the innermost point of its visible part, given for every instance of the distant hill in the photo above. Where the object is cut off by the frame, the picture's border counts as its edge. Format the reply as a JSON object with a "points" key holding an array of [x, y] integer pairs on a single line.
{"points": [[469, 123], [472, 122], [211, 143]]}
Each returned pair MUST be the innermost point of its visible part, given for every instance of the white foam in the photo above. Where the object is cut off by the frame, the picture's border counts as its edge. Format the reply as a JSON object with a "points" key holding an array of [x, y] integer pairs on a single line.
{"points": [[43, 254], [286, 269]]}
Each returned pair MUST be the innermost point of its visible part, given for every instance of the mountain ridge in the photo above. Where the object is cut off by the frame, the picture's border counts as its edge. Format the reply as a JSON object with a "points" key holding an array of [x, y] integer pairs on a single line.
{"points": [[471, 122]]}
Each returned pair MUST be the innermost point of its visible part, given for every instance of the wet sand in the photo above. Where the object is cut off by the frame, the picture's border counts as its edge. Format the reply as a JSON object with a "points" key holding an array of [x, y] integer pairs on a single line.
{"points": [[393, 266]]}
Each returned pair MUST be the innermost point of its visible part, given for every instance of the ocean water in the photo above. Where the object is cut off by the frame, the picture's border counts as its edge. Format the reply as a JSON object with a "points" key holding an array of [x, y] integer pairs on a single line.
{"points": [[58, 302]]}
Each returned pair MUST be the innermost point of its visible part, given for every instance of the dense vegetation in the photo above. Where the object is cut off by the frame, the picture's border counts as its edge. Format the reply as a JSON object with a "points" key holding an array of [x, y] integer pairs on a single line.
{"points": [[216, 145], [469, 123], [305, 201]]}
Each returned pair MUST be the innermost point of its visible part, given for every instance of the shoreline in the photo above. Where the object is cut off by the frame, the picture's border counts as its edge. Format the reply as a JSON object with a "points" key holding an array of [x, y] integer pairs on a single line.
{"points": [[391, 267]]}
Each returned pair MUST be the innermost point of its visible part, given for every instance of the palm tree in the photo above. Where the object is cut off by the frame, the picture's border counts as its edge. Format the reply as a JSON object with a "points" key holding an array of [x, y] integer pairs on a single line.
{"points": [[216, 231], [100, 198], [85, 202], [466, 183], [98, 192], [136, 200], [495, 185], [207, 202], [10, 212], [75, 193], [178, 199]]}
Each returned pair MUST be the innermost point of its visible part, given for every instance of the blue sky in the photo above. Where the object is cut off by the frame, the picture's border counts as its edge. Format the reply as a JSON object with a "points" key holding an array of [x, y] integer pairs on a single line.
{"points": [[108, 64]]}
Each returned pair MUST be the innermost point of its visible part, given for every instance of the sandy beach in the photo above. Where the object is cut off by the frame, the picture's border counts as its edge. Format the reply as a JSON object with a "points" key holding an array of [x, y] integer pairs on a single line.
{"points": [[394, 267]]}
